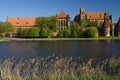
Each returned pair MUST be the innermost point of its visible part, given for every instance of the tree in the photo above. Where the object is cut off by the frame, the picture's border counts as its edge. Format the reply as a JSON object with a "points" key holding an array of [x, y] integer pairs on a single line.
{"points": [[9, 28], [44, 31], [24, 33], [80, 32], [91, 32], [67, 32], [51, 22], [1, 29], [60, 34], [74, 34], [33, 33], [84, 23]]}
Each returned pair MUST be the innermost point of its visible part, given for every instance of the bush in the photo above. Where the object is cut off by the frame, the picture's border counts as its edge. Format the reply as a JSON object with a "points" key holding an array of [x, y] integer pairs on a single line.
{"points": [[24, 33], [33, 33], [91, 32]]}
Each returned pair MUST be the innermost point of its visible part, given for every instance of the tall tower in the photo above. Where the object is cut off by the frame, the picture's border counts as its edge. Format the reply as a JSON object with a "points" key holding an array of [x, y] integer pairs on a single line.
{"points": [[82, 13]]}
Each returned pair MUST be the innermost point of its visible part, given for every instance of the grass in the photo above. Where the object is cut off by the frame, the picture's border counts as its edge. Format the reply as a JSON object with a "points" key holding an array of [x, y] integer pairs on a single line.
{"points": [[58, 68]]}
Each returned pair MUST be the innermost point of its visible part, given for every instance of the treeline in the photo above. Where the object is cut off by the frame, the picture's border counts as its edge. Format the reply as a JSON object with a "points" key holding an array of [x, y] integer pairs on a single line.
{"points": [[75, 31]]}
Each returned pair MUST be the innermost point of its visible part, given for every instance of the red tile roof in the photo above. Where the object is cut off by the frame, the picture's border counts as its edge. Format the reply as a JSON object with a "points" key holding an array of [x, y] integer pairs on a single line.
{"points": [[95, 15], [21, 22], [62, 14]]}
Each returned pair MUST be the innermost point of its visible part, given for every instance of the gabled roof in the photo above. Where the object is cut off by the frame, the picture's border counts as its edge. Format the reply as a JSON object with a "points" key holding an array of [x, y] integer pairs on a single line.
{"points": [[62, 14], [21, 22], [95, 15]]}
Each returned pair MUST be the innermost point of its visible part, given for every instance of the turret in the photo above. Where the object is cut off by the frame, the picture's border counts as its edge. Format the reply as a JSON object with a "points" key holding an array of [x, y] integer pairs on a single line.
{"points": [[82, 13]]}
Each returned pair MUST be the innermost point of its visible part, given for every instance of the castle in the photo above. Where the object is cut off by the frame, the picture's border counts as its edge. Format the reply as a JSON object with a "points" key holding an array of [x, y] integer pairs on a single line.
{"points": [[99, 16], [104, 19]]}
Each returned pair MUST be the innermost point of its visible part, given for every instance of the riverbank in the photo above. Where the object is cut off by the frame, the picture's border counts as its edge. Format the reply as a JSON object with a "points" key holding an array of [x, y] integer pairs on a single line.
{"points": [[57, 39]]}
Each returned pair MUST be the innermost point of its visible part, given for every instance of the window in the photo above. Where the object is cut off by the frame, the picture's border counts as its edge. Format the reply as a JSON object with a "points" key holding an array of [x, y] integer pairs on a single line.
{"points": [[17, 23], [26, 22]]}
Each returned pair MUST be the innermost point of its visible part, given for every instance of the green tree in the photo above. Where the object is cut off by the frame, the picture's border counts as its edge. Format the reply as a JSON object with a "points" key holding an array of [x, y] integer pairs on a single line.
{"points": [[60, 34], [51, 22], [9, 28], [24, 33], [67, 32], [80, 32], [93, 23], [33, 33], [1, 29], [84, 23], [91, 32], [74, 34], [44, 31]]}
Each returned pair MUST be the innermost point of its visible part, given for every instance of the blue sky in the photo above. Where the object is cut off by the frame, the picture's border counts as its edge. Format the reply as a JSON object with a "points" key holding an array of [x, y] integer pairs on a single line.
{"points": [[34, 8]]}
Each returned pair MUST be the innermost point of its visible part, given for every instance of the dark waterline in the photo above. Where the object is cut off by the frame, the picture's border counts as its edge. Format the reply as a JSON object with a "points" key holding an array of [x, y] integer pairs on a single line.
{"points": [[96, 49]]}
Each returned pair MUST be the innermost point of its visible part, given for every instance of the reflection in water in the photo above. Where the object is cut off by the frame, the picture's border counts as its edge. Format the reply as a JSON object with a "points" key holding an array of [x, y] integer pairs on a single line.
{"points": [[97, 49]]}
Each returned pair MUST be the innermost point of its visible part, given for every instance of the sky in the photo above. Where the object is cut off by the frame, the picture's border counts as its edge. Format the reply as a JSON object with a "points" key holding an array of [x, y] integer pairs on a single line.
{"points": [[36, 8]]}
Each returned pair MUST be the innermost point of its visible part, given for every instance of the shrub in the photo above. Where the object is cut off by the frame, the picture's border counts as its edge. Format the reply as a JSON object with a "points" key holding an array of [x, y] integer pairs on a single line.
{"points": [[23, 33], [91, 32], [33, 33]]}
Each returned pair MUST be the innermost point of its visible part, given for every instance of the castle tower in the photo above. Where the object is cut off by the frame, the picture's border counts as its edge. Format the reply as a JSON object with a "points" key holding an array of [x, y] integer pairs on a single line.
{"points": [[106, 28], [82, 13]]}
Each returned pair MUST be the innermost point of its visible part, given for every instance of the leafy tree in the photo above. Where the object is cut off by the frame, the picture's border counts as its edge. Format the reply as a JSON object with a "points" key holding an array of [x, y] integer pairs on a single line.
{"points": [[33, 33], [84, 23], [60, 34], [9, 27], [91, 32], [88, 23], [93, 23], [50, 33], [24, 33], [67, 32], [1, 29], [51, 22], [74, 34], [44, 31], [80, 32]]}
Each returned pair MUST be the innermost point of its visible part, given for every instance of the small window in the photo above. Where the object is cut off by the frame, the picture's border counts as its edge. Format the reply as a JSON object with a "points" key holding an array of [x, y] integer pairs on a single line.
{"points": [[26, 22], [17, 23]]}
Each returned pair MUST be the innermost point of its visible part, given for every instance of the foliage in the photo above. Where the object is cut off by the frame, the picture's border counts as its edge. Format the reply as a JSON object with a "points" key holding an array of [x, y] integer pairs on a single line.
{"points": [[9, 27], [67, 32], [1, 29], [33, 33], [80, 32], [60, 34], [24, 33], [6, 27], [51, 22], [44, 31], [91, 32], [88, 23]]}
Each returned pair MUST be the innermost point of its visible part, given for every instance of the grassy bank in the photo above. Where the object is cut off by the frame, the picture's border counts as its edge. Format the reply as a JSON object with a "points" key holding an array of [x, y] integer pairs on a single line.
{"points": [[48, 39], [58, 68]]}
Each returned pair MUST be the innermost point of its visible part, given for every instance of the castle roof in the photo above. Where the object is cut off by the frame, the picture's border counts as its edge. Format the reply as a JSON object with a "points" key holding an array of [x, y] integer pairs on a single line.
{"points": [[95, 15], [63, 15], [21, 22]]}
